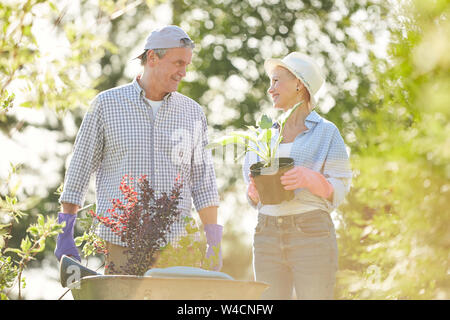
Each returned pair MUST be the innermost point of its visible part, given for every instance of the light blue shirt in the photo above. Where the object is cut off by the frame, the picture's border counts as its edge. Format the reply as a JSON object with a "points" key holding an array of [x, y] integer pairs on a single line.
{"points": [[322, 149]]}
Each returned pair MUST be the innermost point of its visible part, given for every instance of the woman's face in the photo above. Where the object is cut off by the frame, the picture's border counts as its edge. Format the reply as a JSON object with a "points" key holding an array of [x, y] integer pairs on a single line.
{"points": [[283, 88]]}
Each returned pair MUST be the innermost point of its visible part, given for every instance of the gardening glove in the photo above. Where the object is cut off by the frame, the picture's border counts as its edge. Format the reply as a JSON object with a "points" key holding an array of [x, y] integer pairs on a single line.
{"points": [[65, 244], [213, 234], [301, 177]]}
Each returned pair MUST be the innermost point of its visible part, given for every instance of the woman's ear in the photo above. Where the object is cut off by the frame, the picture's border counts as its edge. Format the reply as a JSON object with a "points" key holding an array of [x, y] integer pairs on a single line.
{"points": [[302, 91]]}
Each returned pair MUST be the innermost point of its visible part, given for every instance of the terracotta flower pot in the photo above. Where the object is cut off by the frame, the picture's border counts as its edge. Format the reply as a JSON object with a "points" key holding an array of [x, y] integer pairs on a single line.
{"points": [[268, 183]]}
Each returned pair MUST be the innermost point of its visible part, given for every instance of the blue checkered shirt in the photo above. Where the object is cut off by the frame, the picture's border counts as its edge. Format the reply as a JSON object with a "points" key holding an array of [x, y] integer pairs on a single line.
{"points": [[120, 136], [322, 149]]}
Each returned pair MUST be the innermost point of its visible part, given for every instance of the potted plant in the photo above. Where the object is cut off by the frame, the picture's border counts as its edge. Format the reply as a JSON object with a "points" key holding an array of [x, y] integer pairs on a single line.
{"points": [[155, 269], [264, 141]]}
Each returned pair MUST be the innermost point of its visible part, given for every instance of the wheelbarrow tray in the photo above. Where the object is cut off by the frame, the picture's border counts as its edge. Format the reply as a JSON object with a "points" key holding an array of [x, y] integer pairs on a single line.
{"points": [[128, 287]]}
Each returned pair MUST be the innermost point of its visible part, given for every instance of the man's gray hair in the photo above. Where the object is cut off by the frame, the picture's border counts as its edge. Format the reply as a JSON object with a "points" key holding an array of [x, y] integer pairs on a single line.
{"points": [[185, 43]]}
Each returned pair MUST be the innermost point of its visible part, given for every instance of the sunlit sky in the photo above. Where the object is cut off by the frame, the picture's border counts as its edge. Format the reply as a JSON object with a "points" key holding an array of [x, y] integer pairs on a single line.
{"points": [[29, 145]]}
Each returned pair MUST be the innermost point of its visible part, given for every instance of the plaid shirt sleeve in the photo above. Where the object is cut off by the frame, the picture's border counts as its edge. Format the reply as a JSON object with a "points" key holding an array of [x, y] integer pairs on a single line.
{"points": [[204, 187], [86, 156]]}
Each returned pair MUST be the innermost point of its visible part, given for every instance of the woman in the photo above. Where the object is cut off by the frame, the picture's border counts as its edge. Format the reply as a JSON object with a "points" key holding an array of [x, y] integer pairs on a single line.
{"points": [[295, 241]]}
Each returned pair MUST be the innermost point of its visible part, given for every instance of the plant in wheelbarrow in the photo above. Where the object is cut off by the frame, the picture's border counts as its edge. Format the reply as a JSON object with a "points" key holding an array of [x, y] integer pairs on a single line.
{"points": [[143, 222], [264, 141]]}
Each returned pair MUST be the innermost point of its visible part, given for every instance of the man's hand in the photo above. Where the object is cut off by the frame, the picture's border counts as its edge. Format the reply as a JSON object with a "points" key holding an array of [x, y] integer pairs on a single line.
{"points": [[301, 177], [65, 244], [213, 234]]}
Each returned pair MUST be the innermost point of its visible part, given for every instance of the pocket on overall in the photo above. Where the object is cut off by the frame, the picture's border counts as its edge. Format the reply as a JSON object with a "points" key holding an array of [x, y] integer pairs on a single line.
{"points": [[316, 224]]}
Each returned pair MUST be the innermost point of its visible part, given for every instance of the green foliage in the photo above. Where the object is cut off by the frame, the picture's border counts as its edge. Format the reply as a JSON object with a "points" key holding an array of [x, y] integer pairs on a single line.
{"points": [[31, 76], [187, 252], [9, 206], [89, 242], [260, 138], [393, 113], [394, 238], [235, 37], [8, 274], [34, 75], [29, 247], [33, 243], [39, 232], [53, 82], [6, 101]]}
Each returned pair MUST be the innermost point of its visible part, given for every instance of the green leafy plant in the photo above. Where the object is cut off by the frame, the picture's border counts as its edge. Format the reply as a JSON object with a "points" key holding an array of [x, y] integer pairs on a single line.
{"points": [[260, 138], [143, 223], [188, 252], [90, 243], [34, 243], [11, 270]]}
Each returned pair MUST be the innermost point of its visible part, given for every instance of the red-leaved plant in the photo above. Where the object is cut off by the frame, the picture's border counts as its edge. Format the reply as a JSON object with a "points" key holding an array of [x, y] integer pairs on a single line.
{"points": [[142, 223]]}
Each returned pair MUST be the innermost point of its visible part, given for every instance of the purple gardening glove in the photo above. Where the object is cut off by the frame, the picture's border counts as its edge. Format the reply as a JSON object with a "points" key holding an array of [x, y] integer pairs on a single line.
{"points": [[213, 234], [65, 245]]}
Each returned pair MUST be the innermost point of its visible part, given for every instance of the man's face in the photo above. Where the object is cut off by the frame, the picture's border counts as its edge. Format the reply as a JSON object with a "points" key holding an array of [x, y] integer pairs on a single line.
{"points": [[171, 68]]}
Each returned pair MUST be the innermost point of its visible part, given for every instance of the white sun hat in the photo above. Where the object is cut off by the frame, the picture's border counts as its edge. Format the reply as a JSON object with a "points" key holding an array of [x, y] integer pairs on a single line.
{"points": [[301, 66]]}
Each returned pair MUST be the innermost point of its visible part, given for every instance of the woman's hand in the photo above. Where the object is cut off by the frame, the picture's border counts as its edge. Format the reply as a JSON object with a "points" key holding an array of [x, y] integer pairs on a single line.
{"points": [[251, 190], [301, 177]]}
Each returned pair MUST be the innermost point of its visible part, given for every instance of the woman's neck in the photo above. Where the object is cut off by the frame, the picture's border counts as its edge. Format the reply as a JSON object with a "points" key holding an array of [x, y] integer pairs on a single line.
{"points": [[295, 124], [297, 118]]}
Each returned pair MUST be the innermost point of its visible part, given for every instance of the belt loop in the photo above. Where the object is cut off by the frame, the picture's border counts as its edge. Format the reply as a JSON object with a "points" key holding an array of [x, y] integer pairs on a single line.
{"points": [[265, 220]]}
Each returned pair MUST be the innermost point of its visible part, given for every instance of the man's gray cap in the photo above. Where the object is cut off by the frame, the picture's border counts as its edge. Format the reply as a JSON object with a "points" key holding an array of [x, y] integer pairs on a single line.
{"points": [[165, 38]]}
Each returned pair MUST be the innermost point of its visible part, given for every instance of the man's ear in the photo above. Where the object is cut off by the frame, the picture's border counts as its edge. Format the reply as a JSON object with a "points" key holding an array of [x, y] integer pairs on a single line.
{"points": [[152, 58]]}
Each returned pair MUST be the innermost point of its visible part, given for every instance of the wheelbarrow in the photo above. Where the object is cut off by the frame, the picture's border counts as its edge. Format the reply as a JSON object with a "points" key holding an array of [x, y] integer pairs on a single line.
{"points": [[174, 283]]}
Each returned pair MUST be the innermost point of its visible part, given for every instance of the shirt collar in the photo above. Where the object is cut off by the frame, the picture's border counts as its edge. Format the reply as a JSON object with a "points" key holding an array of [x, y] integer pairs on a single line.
{"points": [[141, 91], [312, 119]]}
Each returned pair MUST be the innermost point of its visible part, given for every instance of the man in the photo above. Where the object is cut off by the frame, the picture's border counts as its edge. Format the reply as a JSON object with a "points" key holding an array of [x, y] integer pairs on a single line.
{"points": [[144, 128]]}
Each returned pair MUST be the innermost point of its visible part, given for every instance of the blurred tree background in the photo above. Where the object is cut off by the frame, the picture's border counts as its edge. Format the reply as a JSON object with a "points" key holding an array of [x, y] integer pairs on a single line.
{"points": [[387, 90], [395, 236]]}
